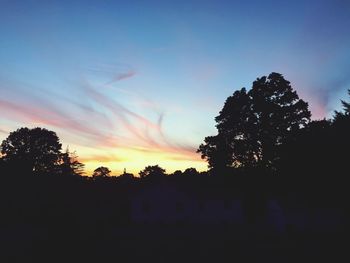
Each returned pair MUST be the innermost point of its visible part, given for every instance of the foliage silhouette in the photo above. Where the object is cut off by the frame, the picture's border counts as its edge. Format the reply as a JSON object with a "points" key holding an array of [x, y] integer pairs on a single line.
{"points": [[70, 165], [101, 172], [152, 171], [177, 173], [346, 109], [341, 122], [191, 172], [126, 175], [36, 149], [253, 125]]}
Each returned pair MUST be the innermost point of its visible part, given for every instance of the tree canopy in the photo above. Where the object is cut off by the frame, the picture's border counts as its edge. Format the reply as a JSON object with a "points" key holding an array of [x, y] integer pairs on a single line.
{"points": [[342, 117], [252, 125], [37, 149], [152, 171], [101, 172]]}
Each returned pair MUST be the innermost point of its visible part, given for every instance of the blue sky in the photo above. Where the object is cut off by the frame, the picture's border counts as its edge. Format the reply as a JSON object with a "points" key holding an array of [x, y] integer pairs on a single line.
{"points": [[130, 83]]}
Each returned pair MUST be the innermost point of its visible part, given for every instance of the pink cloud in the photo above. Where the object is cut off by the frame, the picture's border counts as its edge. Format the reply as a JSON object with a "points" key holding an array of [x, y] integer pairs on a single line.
{"points": [[88, 127], [149, 134], [49, 116]]}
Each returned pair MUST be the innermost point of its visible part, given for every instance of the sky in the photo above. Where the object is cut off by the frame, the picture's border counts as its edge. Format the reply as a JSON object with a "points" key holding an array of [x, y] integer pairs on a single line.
{"points": [[127, 84]]}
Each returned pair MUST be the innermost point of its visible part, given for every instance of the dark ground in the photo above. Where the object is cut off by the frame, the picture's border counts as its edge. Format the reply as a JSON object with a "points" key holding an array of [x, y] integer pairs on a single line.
{"points": [[169, 244]]}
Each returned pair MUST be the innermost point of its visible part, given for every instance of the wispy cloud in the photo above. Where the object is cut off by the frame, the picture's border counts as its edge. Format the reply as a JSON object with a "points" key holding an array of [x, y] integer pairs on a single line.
{"points": [[47, 116], [101, 158], [145, 133], [121, 76], [112, 72], [92, 118]]}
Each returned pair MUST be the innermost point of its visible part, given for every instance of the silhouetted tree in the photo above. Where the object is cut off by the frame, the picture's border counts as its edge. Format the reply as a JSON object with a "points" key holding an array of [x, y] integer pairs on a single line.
{"points": [[37, 149], [252, 125], [232, 125], [101, 172], [340, 138], [191, 172], [341, 119], [177, 173], [346, 109], [70, 165], [152, 171]]}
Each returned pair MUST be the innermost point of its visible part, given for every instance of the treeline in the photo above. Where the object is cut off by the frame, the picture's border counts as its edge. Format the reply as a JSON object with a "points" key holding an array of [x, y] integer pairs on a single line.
{"points": [[267, 129]]}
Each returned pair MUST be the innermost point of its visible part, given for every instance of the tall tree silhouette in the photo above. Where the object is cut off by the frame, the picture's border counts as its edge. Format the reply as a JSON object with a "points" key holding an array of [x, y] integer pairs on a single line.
{"points": [[235, 126], [346, 108], [341, 138], [37, 149], [70, 165], [252, 125], [342, 118]]}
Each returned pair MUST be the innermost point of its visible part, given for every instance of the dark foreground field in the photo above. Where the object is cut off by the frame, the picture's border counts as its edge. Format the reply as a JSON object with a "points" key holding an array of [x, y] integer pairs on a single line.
{"points": [[49, 219], [168, 244]]}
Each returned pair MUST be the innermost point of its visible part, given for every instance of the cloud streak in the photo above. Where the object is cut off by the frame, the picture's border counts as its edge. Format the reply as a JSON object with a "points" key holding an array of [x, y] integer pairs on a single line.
{"points": [[113, 72], [121, 76], [47, 116], [88, 116], [150, 134], [101, 158]]}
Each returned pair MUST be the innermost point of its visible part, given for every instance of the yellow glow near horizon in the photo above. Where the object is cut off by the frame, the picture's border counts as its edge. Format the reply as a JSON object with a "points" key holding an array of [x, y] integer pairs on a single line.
{"points": [[135, 160]]}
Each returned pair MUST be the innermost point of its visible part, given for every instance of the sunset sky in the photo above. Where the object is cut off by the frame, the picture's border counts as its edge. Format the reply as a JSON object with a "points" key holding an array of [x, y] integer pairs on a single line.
{"points": [[133, 83]]}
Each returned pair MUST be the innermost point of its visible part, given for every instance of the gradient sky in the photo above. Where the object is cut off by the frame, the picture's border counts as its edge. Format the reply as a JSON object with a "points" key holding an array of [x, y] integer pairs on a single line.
{"points": [[133, 83]]}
